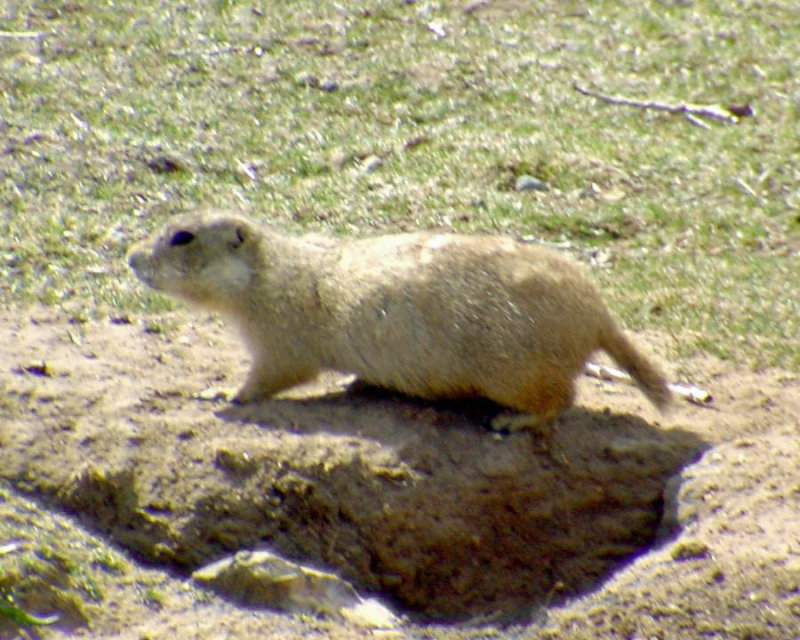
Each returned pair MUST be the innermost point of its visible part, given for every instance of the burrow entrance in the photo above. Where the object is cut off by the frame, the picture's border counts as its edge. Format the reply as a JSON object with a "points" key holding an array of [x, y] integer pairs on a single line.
{"points": [[414, 502]]}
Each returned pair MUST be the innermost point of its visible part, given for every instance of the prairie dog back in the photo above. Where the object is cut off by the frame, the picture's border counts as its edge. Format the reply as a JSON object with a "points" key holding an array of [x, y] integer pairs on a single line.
{"points": [[431, 315]]}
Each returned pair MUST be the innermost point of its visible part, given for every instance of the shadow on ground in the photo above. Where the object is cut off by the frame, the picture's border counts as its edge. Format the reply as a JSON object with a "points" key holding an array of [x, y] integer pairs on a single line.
{"points": [[421, 501]]}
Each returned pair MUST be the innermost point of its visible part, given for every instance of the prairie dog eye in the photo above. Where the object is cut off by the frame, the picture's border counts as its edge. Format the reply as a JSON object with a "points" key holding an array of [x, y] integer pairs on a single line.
{"points": [[181, 238]]}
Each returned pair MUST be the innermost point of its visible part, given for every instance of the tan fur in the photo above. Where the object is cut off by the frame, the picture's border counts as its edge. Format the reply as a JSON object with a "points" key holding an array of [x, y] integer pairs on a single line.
{"points": [[431, 315]]}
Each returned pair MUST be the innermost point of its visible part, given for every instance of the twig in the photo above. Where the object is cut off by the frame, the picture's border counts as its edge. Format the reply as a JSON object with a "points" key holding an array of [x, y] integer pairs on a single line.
{"points": [[24, 35], [10, 547], [205, 54], [747, 188], [690, 111], [697, 122], [693, 394]]}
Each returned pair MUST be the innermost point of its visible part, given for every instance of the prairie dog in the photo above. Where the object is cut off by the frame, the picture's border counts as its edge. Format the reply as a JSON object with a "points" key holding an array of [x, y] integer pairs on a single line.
{"points": [[430, 315]]}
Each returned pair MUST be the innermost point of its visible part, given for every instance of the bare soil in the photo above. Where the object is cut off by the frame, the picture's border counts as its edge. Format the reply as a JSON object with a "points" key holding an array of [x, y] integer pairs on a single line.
{"points": [[589, 526]]}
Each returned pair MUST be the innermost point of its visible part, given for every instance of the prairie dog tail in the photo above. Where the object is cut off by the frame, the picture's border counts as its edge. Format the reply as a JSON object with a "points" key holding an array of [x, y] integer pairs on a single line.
{"points": [[646, 376]]}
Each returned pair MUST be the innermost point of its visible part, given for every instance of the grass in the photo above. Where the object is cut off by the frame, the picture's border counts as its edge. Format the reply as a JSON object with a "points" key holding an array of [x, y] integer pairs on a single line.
{"points": [[273, 107], [54, 573], [42, 579]]}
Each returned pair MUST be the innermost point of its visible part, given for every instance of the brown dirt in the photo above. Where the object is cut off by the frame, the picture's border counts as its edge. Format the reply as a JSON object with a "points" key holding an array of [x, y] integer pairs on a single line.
{"points": [[415, 502]]}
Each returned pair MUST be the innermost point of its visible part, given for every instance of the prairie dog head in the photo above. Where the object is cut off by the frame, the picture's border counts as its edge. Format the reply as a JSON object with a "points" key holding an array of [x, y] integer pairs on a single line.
{"points": [[205, 259]]}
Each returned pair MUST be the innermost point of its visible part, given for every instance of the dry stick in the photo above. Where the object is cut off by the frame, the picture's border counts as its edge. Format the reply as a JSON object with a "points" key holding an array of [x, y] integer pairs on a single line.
{"points": [[206, 54], [693, 394], [23, 35], [691, 111], [697, 122]]}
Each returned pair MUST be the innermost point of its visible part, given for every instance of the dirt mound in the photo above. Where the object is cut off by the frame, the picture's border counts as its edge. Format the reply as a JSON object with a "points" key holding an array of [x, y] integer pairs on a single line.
{"points": [[735, 570]]}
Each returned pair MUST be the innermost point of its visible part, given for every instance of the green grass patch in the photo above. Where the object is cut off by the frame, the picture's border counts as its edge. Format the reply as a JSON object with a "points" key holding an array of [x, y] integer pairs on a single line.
{"points": [[272, 107]]}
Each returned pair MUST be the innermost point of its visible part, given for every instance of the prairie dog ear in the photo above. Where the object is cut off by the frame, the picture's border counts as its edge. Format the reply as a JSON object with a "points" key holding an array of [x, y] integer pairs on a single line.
{"points": [[239, 236]]}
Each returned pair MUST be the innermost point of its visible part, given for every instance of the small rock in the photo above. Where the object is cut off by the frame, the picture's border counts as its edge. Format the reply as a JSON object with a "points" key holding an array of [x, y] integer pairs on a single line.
{"points": [[612, 195], [36, 368], [690, 550], [264, 578], [370, 164], [154, 327], [529, 183], [236, 463], [369, 613], [438, 30], [167, 164], [306, 79], [215, 394], [415, 141]]}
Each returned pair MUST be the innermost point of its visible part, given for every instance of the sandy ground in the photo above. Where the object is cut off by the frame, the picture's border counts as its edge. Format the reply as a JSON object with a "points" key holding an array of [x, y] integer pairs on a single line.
{"points": [[416, 503]]}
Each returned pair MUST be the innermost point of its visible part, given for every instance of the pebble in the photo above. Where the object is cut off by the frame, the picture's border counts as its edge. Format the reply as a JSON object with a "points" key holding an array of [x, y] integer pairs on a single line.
{"points": [[371, 164], [529, 183]]}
